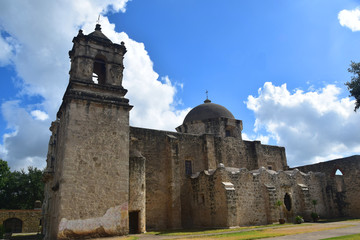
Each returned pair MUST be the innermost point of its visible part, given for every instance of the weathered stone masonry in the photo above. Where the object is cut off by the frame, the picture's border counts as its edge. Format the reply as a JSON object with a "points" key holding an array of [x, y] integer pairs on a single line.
{"points": [[342, 191], [105, 178]]}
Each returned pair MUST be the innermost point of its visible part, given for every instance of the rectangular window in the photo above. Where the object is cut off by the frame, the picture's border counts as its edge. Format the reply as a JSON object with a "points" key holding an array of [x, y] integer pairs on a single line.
{"points": [[227, 133], [188, 168]]}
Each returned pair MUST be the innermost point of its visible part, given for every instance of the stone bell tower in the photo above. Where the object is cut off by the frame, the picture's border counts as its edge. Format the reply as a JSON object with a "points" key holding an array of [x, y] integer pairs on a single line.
{"points": [[87, 174]]}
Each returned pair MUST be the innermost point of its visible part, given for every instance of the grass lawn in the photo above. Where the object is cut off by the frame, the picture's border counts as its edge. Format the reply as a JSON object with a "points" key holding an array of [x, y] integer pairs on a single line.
{"points": [[263, 233], [255, 234], [347, 237]]}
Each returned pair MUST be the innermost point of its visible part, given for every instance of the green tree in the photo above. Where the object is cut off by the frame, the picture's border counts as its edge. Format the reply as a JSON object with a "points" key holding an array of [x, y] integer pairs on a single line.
{"points": [[20, 189], [354, 85], [314, 202], [4, 174]]}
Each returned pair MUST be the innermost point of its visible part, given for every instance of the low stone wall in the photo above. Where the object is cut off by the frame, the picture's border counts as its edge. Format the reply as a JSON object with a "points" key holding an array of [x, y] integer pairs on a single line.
{"points": [[240, 197], [342, 191], [30, 218]]}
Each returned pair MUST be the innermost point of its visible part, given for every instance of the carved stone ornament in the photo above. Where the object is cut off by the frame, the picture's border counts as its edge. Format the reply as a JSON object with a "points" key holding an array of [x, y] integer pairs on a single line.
{"points": [[87, 67], [116, 74]]}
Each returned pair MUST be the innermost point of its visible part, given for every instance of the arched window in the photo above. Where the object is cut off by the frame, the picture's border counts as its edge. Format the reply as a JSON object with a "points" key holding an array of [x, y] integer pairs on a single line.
{"points": [[99, 70], [338, 172], [13, 225], [287, 201]]}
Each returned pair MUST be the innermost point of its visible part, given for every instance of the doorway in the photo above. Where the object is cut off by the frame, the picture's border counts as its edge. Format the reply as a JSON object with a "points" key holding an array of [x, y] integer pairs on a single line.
{"points": [[13, 225], [134, 222]]}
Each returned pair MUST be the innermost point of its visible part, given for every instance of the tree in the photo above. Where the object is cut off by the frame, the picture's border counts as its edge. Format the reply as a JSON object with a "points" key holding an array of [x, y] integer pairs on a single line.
{"points": [[314, 202], [354, 85], [20, 189], [4, 173], [278, 204]]}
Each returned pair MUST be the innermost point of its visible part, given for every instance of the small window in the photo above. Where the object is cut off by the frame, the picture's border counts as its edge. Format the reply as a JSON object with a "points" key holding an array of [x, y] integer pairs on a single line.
{"points": [[270, 167], [338, 173], [227, 133], [188, 167]]}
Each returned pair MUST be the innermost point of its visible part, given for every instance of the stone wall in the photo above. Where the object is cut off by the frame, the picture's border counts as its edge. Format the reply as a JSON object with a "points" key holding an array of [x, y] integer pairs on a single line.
{"points": [[167, 184], [342, 191], [234, 152], [166, 153], [94, 181], [87, 186], [30, 219], [230, 197], [137, 193]]}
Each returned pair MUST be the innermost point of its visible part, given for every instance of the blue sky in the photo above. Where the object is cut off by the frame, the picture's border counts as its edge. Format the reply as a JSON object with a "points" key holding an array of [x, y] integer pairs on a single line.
{"points": [[280, 66]]}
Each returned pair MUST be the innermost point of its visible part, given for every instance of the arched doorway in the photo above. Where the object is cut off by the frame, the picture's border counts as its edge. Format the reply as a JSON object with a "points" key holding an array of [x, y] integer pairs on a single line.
{"points": [[13, 225], [287, 201]]}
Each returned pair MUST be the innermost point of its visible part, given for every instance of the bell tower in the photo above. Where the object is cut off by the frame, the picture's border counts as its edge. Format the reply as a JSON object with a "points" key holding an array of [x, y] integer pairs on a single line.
{"points": [[87, 174], [95, 59]]}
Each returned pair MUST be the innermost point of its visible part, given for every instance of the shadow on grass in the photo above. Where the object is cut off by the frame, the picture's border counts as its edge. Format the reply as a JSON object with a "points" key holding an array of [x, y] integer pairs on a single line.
{"points": [[343, 219], [198, 231]]}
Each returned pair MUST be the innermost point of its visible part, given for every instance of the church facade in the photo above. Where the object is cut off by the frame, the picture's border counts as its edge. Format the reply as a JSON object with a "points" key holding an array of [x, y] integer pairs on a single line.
{"points": [[106, 178]]}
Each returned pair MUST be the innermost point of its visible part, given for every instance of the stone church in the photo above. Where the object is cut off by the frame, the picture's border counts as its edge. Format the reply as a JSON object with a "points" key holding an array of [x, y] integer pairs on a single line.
{"points": [[106, 178]]}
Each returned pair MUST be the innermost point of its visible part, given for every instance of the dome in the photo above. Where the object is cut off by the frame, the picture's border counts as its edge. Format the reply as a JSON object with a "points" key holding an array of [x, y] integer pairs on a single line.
{"points": [[208, 110]]}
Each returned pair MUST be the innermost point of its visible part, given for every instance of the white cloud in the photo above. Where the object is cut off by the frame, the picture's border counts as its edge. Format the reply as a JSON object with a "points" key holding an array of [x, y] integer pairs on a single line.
{"points": [[350, 19], [41, 33], [6, 50], [39, 115], [27, 142], [313, 125], [253, 137]]}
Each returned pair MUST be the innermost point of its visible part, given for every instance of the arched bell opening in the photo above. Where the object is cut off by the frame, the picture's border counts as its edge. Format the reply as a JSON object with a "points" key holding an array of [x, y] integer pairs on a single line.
{"points": [[99, 70]]}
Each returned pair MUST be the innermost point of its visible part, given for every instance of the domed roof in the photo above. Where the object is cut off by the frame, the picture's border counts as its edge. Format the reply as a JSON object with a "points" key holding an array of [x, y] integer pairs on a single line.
{"points": [[208, 110]]}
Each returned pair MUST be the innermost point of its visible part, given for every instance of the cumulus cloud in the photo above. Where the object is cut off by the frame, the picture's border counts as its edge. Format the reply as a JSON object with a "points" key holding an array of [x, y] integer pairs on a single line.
{"points": [[313, 126], [258, 137], [7, 50], [37, 36], [350, 19], [39, 115], [26, 141]]}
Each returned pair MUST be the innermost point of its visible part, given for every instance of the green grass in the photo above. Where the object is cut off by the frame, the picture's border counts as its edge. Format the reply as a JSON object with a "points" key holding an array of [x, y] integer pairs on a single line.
{"points": [[180, 232], [131, 238], [347, 237], [256, 234], [262, 233]]}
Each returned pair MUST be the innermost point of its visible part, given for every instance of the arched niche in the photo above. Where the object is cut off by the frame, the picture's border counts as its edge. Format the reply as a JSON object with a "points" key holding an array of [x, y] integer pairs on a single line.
{"points": [[13, 225], [287, 201]]}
